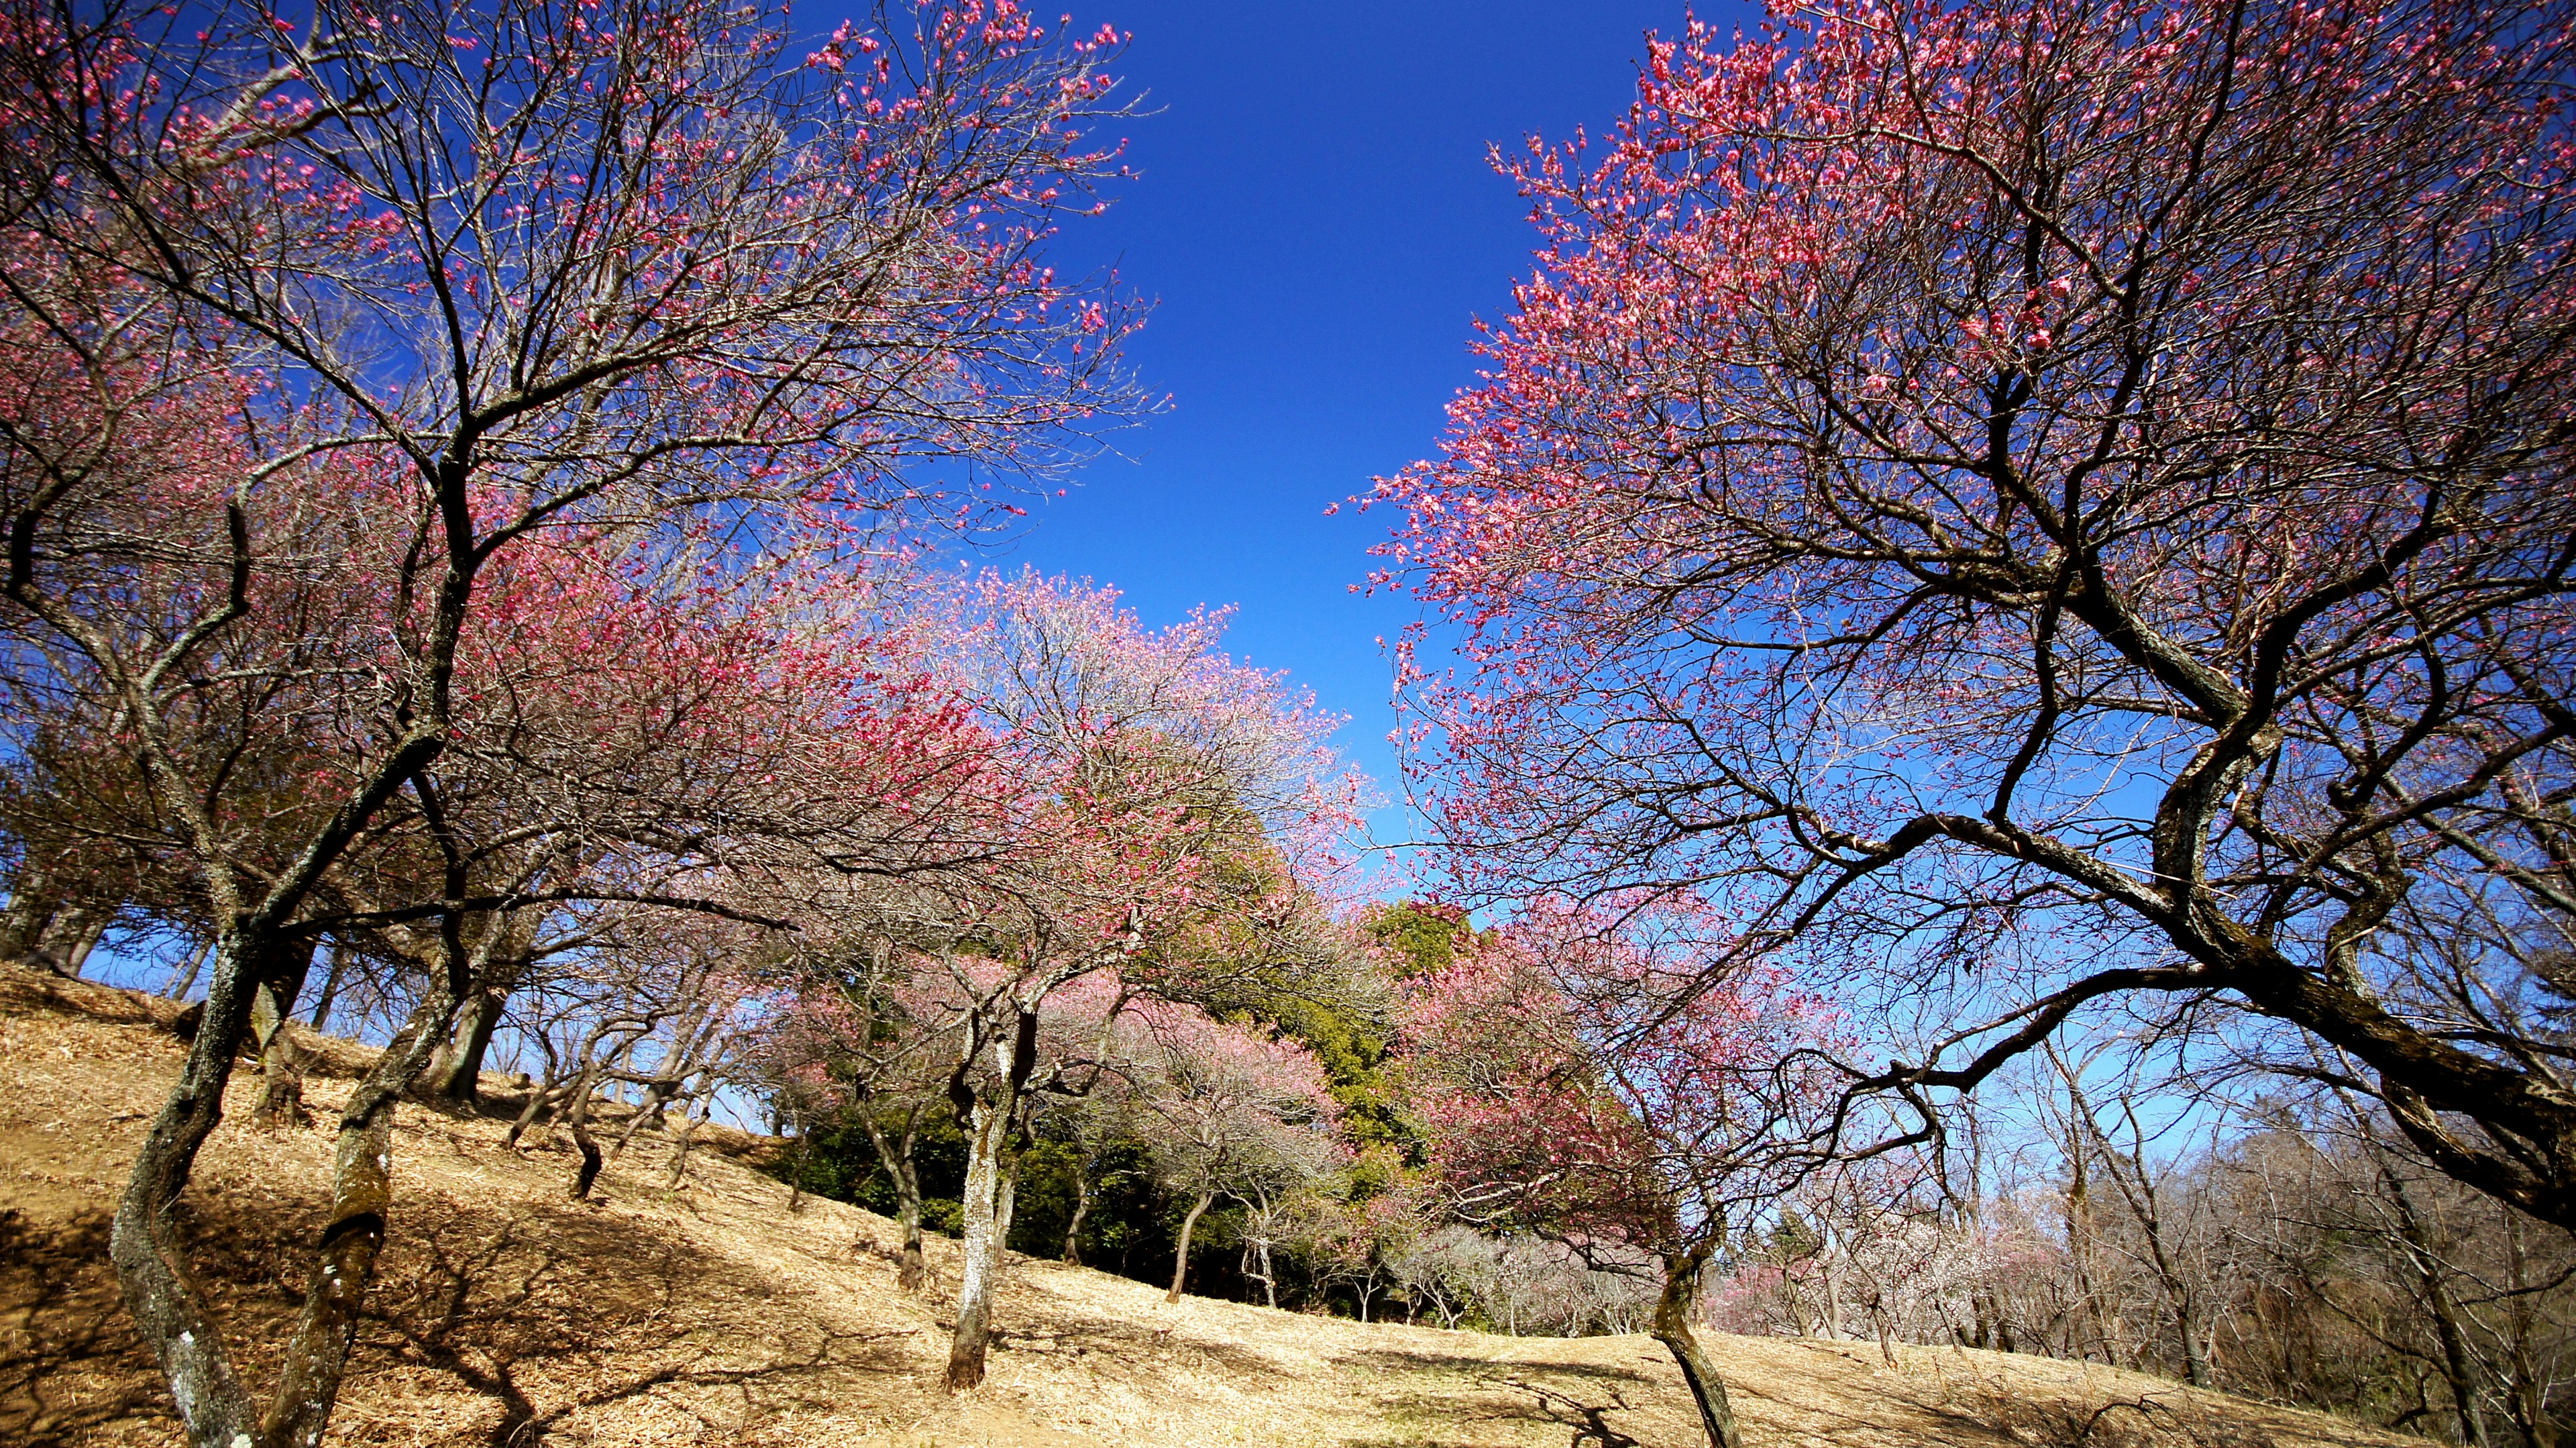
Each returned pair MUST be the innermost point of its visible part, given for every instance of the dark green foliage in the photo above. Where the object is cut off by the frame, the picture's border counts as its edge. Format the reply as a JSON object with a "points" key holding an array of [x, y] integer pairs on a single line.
{"points": [[1421, 937], [835, 1160]]}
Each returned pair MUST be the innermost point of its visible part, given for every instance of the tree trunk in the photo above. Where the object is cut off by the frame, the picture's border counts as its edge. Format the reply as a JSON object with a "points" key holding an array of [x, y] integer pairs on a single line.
{"points": [[2459, 1367], [72, 935], [1005, 1202], [691, 1119], [1181, 1260], [281, 1055], [1675, 1314], [991, 1116], [577, 1121], [1269, 1278], [184, 979], [331, 979], [913, 1272], [361, 1191], [32, 906], [894, 1153], [144, 1242], [458, 1076], [1081, 1209], [587, 1174], [988, 1127]]}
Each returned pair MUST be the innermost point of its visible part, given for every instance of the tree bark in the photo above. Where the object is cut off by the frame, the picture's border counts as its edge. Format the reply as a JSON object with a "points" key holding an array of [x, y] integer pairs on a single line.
{"points": [[458, 1075], [31, 909], [912, 1272], [587, 1174], [2459, 1365], [1675, 1314], [1269, 1277], [991, 1117], [1181, 1259], [693, 1117], [1081, 1209], [153, 1276], [331, 979], [281, 1055], [361, 1192], [184, 979], [143, 1239], [987, 1127]]}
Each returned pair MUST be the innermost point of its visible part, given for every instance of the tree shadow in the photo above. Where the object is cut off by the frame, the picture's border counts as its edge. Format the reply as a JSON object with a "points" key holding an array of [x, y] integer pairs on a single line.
{"points": [[1578, 1397], [556, 1311], [69, 1365]]}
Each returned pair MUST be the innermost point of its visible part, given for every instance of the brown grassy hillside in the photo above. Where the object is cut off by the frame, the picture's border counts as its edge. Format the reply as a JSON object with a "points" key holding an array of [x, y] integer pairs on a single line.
{"points": [[509, 1316]]}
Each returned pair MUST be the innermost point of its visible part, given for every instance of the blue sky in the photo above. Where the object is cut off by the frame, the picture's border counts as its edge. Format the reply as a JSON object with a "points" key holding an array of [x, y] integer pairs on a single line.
{"points": [[1318, 226]]}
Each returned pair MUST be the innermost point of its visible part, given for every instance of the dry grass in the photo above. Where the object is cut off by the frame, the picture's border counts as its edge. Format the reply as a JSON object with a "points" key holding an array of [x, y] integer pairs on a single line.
{"points": [[508, 1316]]}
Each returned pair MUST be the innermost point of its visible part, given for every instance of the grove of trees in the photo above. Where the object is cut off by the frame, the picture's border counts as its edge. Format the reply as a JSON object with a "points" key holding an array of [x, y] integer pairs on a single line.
{"points": [[1992, 700]]}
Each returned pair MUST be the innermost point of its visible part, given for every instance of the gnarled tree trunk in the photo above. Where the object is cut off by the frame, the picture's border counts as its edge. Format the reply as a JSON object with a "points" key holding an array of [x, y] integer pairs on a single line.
{"points": [[894, 1152], [281, 1055], [457, 1075], [1676, 1315], [144, 1241], [986, 1129], [1081, 1209], [991, 1119], [1181, 1260]]}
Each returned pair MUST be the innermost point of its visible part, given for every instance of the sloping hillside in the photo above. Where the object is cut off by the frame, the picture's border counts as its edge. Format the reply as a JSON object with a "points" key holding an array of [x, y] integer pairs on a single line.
{"points": [[507, 1315]]}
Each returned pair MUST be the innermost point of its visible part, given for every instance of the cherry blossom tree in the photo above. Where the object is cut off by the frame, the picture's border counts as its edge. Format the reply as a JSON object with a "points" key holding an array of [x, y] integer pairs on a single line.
{"points": [[1243, 1115], [870, 1034], [360, 304], [2033, 501], [1147, 795], [1568, 1088]]}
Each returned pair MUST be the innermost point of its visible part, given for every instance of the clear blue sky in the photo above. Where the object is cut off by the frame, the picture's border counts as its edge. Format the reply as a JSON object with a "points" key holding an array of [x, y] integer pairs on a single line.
{"points": [[1318, 226]]}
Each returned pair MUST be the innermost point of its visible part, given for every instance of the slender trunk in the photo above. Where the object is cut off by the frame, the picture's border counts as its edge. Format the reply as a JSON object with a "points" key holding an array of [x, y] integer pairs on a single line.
{"points": [[1081, 1209], [1269, 1279], [988, 1126], [184, 979], [586, 1175], [991, 1118], [1676, 1311], [894, 1153], [913, 1272], [538, 1096], [330, 984], [2459, 1367], [691, 1118], [361, 1191], [796, 1174], [458, 1076], [577, 1121], [2527, 1391], [1181, 1261]]}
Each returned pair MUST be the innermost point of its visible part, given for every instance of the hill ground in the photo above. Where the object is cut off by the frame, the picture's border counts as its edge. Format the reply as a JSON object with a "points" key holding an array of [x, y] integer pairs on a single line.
{"points": [[509, 1316]]}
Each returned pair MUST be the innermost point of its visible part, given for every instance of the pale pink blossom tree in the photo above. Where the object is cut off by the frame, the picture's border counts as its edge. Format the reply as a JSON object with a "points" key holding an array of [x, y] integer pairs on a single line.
{"points": [[1242, 1114]]}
